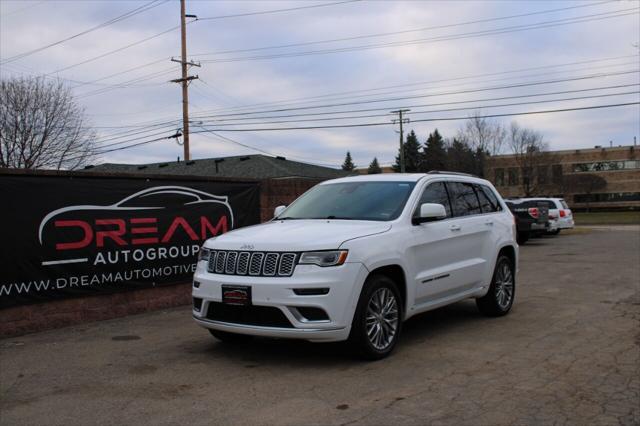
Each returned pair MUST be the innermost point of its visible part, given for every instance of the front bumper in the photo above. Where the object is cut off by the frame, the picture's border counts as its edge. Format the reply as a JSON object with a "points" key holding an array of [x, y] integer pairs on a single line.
{"points": [[344, 284]]}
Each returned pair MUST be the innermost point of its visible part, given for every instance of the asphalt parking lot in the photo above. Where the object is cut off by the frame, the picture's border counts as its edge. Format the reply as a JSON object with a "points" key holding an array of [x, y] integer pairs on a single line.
{"points": [[569, 353]]}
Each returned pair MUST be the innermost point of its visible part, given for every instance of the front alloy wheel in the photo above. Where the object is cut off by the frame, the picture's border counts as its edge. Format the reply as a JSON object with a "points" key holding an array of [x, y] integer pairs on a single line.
{"points": [[378, 318], [382, 318]]}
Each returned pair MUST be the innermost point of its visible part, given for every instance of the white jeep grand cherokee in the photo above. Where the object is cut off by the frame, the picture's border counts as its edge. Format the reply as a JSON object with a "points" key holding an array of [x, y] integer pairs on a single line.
{"points": [[353, 258]]}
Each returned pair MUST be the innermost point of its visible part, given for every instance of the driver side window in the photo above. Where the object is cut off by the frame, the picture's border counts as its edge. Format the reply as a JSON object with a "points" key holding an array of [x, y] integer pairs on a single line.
{"points": [[436, 193]]}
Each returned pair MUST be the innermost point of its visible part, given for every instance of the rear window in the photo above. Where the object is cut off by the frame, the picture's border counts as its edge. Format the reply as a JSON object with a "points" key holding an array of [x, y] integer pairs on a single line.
{"points": [[538, 203], [463, 199], [564, 204], [488, 201]]}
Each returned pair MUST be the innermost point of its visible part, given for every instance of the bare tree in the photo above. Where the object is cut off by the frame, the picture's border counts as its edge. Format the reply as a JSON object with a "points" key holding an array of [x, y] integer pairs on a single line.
{"points": [[532, 156], [483, 134], [42, 126], [584, 183]]}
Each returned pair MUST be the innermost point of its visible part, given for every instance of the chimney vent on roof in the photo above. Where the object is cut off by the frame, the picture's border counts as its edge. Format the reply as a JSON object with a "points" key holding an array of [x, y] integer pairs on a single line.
{"points": [[190, 162], [245, 158], [90, 166], [598, 146], [280, 158]]}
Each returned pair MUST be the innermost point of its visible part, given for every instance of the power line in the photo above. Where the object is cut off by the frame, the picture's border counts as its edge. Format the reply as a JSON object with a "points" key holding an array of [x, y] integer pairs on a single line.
{"points": [[618, 86], [206, 130], [459, 85], [129, 14], [341, 126], [140, 128], [478, 107], [224, 138], [429, 82], [178, 26], [120, 49], [510, 86], [129, 83], [387, 34], [172, 122], [22, 9], [265, 12], [504, 30]]}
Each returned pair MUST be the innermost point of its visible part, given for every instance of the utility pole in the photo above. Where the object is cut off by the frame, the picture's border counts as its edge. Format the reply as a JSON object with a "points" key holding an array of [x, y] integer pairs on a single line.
{"points": [[185, 78], [401, 121]]}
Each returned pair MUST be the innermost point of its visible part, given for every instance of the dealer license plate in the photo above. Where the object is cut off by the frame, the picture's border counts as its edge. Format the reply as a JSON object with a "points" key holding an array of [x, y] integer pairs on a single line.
{"points": [[236, 295]]}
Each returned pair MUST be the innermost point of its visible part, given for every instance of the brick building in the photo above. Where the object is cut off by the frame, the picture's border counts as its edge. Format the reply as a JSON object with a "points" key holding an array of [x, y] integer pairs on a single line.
{"points": [[618, 166]]}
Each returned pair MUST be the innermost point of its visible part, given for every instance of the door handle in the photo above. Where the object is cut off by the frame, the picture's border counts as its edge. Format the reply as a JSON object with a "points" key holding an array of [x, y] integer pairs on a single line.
{"points": [[455, 228], [489, 223]]}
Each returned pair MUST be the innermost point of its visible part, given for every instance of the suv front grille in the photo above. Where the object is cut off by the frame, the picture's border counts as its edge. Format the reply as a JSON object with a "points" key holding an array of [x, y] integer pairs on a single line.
{"points": [[257, 263]]}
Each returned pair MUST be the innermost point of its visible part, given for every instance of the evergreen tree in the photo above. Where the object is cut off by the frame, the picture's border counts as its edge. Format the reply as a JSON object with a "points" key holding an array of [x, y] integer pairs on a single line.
{"points": [[374, 167], [460, 157], [434, 154], [412, 157], [348, 165]]}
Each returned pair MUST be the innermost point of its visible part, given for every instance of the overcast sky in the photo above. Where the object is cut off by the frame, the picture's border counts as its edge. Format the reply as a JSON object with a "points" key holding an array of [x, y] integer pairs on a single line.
{"points": [[443, 59]]}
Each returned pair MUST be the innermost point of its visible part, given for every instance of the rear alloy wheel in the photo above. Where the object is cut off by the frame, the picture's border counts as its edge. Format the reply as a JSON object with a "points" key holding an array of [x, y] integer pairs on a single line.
{"points": [[499, 298], [377, 321]]}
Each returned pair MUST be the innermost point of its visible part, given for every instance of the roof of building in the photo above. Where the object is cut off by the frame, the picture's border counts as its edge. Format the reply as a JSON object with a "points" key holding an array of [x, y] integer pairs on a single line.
{"points": [[242, 166]]}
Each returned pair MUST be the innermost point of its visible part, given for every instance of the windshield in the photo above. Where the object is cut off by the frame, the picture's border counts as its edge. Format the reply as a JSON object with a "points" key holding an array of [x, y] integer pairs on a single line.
{"points": [[380, 201]]}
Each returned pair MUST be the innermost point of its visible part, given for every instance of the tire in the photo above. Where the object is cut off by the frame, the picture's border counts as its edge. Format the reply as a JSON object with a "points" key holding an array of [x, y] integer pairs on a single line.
{"points": [[502, 291], [522, 237], [227, 337], [374, 334]]}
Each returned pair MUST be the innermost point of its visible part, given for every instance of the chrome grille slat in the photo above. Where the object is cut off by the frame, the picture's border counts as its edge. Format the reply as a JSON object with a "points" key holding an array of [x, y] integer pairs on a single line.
{"points": [[270, 264], [267, 264], [211, 265], [231, 262], [220, 261], [243, 263], [256, 264], [287, 263]]}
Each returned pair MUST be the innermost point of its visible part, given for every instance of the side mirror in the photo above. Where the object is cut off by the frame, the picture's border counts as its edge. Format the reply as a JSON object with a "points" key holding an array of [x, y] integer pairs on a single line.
{"points": [[278, 210], [430, 212]]}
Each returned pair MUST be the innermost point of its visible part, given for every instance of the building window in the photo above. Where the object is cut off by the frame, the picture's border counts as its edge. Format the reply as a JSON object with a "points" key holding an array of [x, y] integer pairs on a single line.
{"points": [[556, 173], [499, 177], [606, 166], [513, 176], [613, 197], [543, 175]]}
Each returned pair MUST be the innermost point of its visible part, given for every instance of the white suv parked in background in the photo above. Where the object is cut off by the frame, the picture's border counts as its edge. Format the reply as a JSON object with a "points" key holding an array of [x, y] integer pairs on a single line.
{"points": [[353, 258]]}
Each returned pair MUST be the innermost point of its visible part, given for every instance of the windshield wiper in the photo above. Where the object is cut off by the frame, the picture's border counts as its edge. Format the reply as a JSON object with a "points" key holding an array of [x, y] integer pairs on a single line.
{"points": [[287, 218]]}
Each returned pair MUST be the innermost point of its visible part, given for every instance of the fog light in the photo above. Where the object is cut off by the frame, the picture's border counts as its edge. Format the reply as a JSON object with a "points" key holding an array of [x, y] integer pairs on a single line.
{"points": [[197, 304]]}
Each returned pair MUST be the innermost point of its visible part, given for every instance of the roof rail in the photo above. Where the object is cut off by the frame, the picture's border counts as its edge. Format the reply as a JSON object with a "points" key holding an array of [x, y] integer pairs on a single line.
{"points": [[442, 172]]}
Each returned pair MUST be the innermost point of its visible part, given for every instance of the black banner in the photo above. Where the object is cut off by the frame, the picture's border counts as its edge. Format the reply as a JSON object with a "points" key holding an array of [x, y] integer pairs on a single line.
{"points": [[74, 236]]}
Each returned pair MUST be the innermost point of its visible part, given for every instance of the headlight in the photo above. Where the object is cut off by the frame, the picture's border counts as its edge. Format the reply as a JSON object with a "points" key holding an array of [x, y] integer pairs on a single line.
{"points": [[204, 253], [324, 258]]}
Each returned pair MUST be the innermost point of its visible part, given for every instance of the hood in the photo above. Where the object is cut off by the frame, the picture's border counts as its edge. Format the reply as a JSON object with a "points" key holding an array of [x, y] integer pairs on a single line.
{"points": [[296, 235]]}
